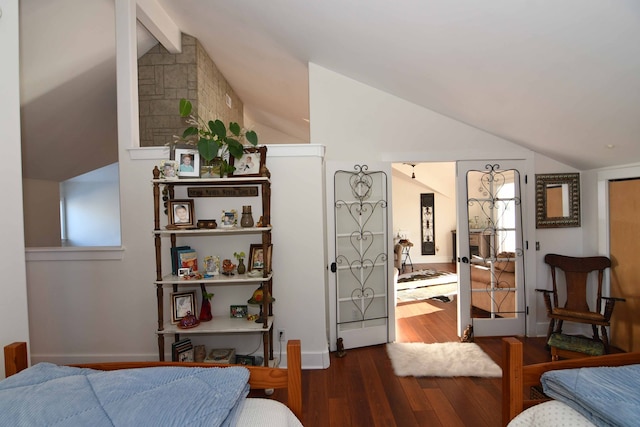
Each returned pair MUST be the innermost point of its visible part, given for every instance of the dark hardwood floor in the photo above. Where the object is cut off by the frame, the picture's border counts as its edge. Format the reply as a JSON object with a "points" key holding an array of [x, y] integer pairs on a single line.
{"points": [[361, 389]]}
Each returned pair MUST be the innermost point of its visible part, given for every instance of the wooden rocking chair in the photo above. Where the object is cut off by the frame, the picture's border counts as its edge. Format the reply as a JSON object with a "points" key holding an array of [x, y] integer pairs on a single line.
{"points": [[576, 309]]}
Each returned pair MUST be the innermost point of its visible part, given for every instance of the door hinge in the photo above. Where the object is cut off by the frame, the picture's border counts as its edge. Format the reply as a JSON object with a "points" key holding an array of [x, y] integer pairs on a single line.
{"points": [[526, 245], [526, 179], [527, 311]]}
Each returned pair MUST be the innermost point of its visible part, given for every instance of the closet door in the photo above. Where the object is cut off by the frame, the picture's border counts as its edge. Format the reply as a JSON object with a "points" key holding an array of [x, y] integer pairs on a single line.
{"points": [[624, 246]]}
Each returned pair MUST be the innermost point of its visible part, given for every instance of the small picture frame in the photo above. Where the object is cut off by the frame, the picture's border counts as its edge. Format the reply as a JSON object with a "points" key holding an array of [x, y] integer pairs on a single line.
{"points": [[181, 213], [169, 169], [238, 311], [186, 355], [229, 218], [184, 272], [211, 265], [188, 160], [245, 360], [251, 162], [182, 303], [211, 169], [257, 259]]}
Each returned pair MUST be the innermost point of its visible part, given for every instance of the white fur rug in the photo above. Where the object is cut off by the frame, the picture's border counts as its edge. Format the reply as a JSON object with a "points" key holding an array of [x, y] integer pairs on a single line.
{"points": [[451, 359]]}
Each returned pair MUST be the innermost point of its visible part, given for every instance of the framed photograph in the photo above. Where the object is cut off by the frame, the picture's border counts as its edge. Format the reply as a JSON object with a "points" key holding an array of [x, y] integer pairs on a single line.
{"points": [[210, 169], [169, 169], [238, 311], [245, 360], [188, 161], [182, 303], [184, 272], [181, 213], [258, 260], [229, 218], [211, 266], [250, 163], [186, 355]]}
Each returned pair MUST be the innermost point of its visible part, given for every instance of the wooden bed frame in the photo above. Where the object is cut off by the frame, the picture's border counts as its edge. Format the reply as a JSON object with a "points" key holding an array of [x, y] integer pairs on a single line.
{"points": [[260, 377], [518, 379]]}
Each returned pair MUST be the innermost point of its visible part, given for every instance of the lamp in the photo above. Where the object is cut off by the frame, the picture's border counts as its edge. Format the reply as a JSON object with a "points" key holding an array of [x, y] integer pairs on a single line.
{"points": [[257, 298], [413, 169]]}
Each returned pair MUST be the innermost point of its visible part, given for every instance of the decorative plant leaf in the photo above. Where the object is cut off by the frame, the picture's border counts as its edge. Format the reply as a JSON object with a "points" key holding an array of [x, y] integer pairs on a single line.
{"points": [[252, 137], [234, 128], [218, 128], [208, 148], [190, 131], [185, 107], [235, 148], [213, 140]]}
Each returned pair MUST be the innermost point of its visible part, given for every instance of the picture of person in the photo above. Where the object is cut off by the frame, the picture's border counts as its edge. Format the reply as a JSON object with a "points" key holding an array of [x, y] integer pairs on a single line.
{"points": [[181, 214], [258, 260], [186, 163], [248, 164], [183, 306], [168, 169]]}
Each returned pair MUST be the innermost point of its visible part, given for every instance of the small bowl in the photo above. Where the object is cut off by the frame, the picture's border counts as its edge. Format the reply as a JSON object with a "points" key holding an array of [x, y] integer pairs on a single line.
{"points": [[207, 223]]}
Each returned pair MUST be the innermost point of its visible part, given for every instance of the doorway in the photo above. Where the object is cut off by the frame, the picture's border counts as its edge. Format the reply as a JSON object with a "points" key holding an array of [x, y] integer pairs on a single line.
{"points": [[494, 304], [409, 182]]}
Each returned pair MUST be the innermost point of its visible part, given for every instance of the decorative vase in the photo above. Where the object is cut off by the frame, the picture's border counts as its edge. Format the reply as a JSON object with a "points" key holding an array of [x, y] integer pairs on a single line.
{"points": [[205, 310], [247, 219], [241, 267]]}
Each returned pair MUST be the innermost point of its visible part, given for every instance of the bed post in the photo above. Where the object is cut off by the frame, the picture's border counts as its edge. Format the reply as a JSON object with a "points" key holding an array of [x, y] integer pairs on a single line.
{"points": [[15, 358], [294, 378], [512, 381]]}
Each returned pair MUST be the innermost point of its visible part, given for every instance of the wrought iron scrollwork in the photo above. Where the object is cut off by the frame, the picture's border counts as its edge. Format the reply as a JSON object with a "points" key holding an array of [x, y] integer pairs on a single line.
{"points": [[493, 210], [361, 210]]}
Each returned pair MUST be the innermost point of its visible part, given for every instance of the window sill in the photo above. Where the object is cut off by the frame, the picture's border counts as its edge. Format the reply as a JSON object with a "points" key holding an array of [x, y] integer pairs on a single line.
{"points": [[84, 253]]}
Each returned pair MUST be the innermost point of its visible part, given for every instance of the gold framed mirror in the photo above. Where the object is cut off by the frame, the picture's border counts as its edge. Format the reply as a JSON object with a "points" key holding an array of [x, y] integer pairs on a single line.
{"points": [[557, 200]]}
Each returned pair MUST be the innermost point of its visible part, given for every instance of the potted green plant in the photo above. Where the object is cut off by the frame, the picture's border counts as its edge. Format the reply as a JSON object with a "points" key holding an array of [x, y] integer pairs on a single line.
{"points": [[240, 257], [213, 139]]}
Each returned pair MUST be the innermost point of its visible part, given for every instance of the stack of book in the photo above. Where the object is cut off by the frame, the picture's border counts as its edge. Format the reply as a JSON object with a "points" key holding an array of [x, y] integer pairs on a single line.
{"points": [[182, 351], [183, 257]]}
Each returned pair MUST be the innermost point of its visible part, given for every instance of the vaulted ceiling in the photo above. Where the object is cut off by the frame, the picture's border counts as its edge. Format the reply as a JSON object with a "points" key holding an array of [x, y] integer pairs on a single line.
{"points": [[559, 77]]}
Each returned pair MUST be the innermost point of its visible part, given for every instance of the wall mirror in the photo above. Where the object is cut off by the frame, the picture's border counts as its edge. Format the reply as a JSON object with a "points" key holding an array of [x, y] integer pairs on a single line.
{"points": [[558, 200]]}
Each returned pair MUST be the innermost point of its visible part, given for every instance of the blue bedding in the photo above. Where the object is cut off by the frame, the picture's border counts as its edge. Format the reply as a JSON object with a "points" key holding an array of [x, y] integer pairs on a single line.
{"points": [[606, 396], [51, 395]]}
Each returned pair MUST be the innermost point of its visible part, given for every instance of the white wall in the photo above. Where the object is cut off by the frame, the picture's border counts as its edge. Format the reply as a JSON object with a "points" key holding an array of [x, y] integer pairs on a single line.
{"points": [[41, 212], [92, 205], [14, 324]]}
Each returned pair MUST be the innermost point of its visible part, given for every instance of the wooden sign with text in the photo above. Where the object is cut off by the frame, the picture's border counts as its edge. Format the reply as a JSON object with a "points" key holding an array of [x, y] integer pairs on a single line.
{"points": [[222, 191]]}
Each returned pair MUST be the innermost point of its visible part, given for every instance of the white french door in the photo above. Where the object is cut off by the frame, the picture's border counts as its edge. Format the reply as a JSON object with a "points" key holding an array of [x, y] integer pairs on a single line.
{"points": [[490, 247], [358, 221]]}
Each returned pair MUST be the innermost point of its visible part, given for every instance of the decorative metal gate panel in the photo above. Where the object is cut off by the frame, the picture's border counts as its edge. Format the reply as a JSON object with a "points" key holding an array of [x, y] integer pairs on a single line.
{"points": [[361, 216], [492, 254]]}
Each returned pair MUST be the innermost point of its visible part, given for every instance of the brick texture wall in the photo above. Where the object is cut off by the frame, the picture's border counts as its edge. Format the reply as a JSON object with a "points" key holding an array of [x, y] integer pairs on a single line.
{"points": [[164, 78]]}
